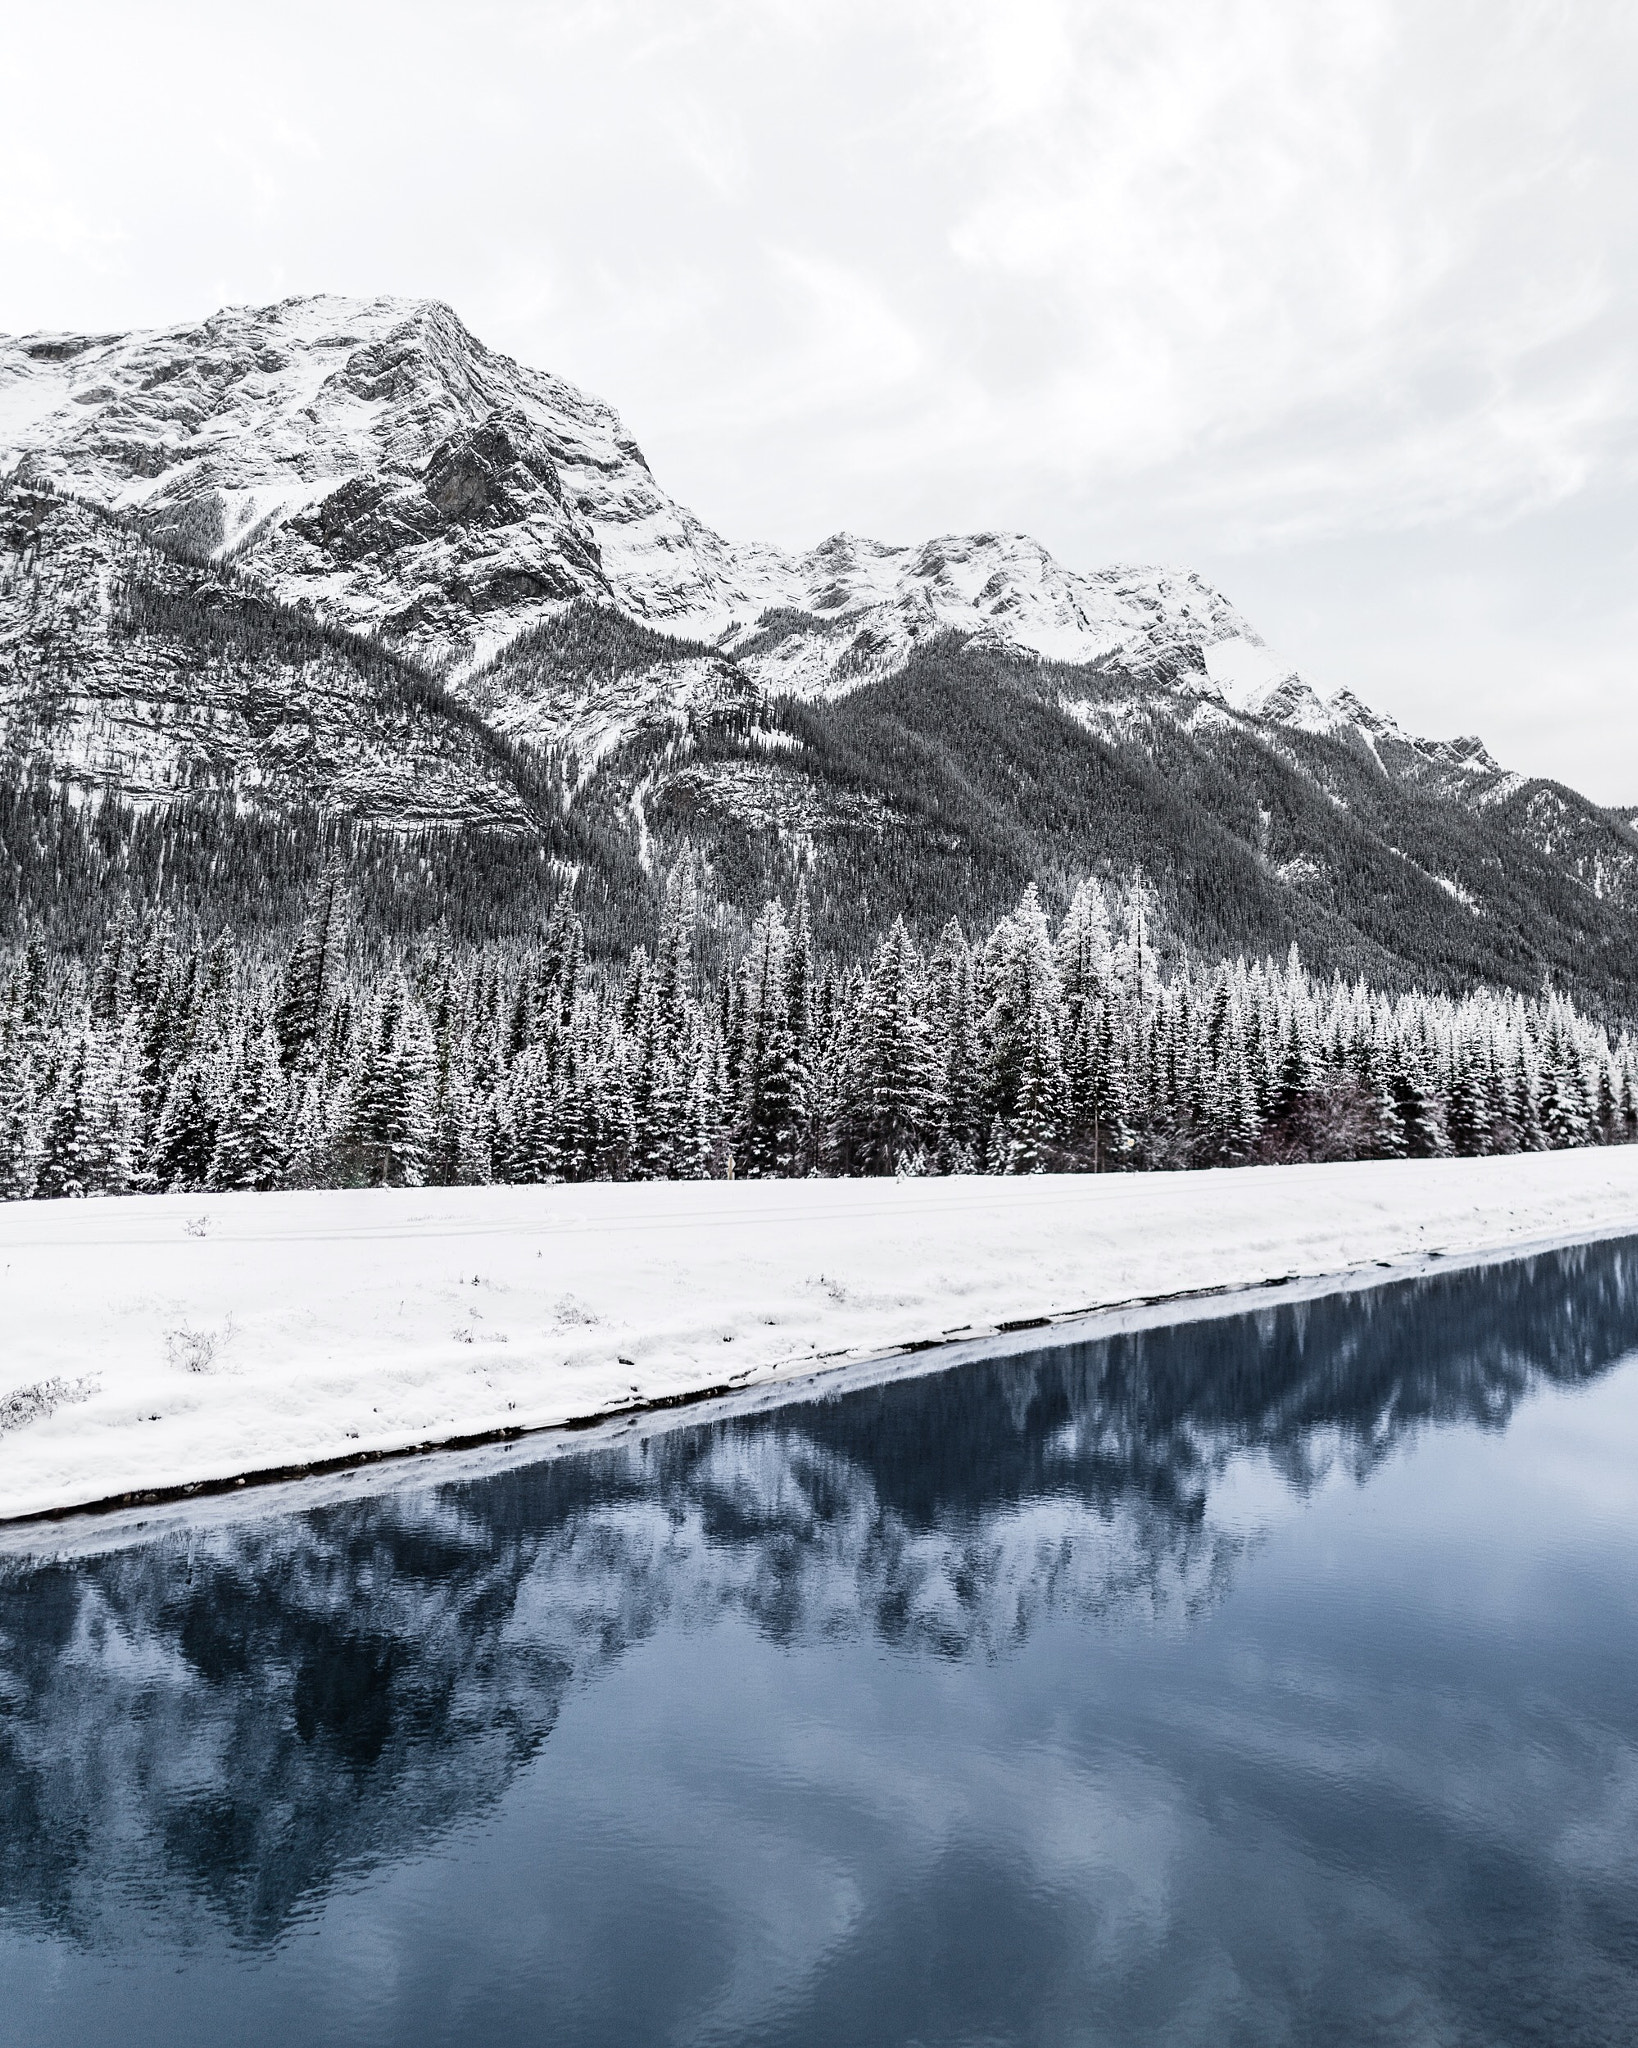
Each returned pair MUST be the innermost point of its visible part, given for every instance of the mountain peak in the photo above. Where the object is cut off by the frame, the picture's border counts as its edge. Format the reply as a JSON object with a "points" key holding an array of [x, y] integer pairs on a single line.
{"points": [[370, 459]]}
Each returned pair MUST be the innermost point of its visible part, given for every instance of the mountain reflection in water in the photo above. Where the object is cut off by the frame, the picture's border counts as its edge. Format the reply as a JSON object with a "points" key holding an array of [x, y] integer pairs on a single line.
{"points": [[206, 1736]]}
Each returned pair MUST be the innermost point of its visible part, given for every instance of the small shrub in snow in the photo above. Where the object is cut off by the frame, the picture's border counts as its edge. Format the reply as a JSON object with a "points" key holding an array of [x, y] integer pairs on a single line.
{"points": [[192, 1350], [32, 1403], [570, 1312]]}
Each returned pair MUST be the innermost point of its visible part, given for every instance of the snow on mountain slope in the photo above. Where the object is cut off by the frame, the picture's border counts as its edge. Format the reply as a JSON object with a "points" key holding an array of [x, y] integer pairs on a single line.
{"points": [[589, 679], [375, 460], [871, 603], [1462, 767], [372, 460]]}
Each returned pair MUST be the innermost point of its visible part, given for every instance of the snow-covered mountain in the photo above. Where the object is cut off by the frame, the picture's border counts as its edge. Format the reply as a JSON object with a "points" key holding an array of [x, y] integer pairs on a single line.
{"points": [[338, 554], [375, 461], [370, 460]]}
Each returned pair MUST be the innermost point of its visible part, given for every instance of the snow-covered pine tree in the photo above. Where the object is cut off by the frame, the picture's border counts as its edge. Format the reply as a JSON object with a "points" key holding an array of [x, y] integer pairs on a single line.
{"points": [[1420, 1118], [116, 965], [1018, 979], [67, 1150], [891, 1073], [385, 1126], [1561, 1096], [1038, 1111], [184, 1141], [1467, 1110], [308, 1142], [802, 1019], [251, 1133], [955, 1104], [771, 1106], [674, 962], [21, 1140]]}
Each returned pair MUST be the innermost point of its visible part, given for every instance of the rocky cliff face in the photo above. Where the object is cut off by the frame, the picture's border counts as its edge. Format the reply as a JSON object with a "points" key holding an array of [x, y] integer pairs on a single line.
{"points": [[123, 668], [368, 458]]}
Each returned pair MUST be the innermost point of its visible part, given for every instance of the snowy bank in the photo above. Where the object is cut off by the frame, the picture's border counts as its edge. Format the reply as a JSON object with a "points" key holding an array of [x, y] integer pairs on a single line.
{"points": [[163, 1342]]}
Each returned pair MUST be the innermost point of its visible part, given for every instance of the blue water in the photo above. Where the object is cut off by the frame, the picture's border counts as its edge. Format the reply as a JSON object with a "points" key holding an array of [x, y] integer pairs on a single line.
{"points": [[1269, 1679]]}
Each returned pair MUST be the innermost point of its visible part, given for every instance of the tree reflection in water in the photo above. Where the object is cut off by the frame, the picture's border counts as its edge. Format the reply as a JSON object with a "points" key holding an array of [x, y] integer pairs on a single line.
{"points": [[226, 1720]]}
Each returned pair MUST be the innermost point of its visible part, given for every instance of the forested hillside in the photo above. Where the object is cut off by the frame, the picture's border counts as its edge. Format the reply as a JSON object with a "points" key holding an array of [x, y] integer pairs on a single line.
{"points": [[170, 735]]}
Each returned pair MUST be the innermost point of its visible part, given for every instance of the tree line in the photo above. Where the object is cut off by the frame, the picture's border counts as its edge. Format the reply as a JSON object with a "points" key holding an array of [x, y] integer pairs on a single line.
{"points": [[171, 1061]]}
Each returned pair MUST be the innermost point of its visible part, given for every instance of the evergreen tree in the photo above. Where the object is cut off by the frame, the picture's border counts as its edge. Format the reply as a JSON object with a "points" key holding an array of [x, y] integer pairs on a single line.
{"points": [[1416, 1106], [67, 1155], [386, 1126], [1019, 980], [772, 1108], [1039, 1109], [1561, 1097], [309, 1149], [308, 987], [185, 1140], [956, 1096], [1467, 1115], [891, 1074], [250, 1136], [21, 1141]]}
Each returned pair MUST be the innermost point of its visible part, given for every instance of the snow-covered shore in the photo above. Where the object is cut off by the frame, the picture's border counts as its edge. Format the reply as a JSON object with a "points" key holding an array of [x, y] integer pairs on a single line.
{"points": [[162, 1342]]}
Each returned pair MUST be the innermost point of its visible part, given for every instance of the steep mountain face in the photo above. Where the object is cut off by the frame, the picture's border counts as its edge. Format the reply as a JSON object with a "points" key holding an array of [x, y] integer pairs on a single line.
{"points": [[122, 667], [370, 458], [338, 553], [969, 772]]}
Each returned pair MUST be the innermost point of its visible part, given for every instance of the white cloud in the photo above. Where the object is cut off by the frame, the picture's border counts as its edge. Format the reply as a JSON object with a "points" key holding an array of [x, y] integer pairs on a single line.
{"points": [[1231, 281]]}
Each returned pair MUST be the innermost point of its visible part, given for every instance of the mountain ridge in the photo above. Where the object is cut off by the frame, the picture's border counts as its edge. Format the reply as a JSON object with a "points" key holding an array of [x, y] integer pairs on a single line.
{"points": [[527, 635], [285, 438]]}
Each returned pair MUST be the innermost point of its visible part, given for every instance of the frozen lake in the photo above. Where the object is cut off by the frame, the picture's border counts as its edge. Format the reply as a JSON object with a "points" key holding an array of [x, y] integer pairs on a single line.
{"points": [[1267, 1679]]}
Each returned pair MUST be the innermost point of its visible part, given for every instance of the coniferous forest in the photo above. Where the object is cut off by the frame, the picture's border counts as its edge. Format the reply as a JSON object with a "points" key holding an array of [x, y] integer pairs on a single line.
{"points": [[163, 1059]]}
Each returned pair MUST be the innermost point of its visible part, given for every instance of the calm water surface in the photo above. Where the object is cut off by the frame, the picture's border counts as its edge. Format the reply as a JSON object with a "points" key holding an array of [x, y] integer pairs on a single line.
{"points": [[1270, 1679]]}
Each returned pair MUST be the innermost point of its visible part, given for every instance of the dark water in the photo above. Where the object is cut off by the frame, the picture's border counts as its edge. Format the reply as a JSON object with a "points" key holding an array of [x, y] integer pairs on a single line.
{"points": [[1265, 1680]]}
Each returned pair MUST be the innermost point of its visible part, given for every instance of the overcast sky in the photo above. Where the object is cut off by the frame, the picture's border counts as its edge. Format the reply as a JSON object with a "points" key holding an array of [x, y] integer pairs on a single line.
{"points": [[1336, 303]]}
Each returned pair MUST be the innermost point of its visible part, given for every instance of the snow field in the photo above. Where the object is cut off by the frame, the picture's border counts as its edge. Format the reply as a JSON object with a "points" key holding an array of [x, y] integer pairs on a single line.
{"points": [[166, 1341]]}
